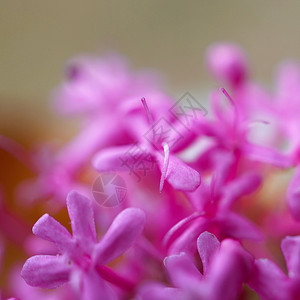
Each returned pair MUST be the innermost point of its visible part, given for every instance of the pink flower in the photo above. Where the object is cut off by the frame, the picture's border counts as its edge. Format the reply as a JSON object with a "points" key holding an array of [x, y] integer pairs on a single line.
{"points": [[96, 85], [227, 63], [212, 208], [230, 131], [81, 258], [180, 176], [270, 282], [226, 266], [105, 92]]}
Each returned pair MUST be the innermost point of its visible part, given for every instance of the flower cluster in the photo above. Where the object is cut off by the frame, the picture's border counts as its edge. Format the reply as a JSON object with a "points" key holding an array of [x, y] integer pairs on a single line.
{"points": [[184, 204]]}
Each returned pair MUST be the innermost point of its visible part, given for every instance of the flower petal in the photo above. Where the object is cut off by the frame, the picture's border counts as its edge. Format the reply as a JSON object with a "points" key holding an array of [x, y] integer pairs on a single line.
{"points": [[288, 81], [82, 217], [243, 185], [182, 269], [178, 228], [122, 158], [239, 227], [49, 229], [268, 281], [94, 287], [157, 291], [291, 250], [179, 175], [79, 150], [231, 266], [267, 155], [186, 242], [46, 271], [207, 245], [120, 236]]}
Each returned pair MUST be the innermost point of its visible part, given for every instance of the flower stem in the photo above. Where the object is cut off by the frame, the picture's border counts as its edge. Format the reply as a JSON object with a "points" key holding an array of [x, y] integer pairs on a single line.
{"points": [[114, 278]]}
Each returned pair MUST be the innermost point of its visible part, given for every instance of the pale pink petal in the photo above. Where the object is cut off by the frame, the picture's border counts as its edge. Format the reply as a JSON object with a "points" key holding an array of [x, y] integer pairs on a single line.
{"points": [[181, 269], [178, 228], [268, 281], [180, 176], [78, 151], [46, 271], [288, 81], [188, 136], [49, 229], [229, 269], [243, 185], [200, 197], [122, 158], [239, 227], [223, 162], [91, 83], [157, 291], [186, 242], [291, 250], [95, 288], [82, 217], [267, 155], [121, 235], [207, 245]]}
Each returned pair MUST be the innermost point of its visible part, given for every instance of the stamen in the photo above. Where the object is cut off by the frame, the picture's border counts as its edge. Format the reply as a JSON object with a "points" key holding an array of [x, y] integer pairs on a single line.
{"points": [[262, 122], [165, 166], [236, 114], [150, 119], [255, 122], [225, 93], [114, 278]]}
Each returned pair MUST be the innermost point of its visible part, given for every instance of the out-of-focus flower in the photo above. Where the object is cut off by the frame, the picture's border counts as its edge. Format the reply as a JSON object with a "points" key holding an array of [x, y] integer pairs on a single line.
{"points": [[227, 63], [105, 91], [177, 173], [212, 204]]}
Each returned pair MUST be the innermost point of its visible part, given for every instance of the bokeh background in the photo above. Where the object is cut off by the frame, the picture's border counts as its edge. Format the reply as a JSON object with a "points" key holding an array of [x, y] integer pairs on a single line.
{"points": [[37, 37]]}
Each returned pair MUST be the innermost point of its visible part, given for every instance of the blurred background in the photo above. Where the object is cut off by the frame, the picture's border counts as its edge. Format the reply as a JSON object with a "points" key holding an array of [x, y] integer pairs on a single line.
{"points": [[37, 37]]}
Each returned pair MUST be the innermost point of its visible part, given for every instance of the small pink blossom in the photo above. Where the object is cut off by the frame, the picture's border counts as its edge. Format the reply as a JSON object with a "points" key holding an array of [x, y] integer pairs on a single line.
{"points": [[81, 257], [226, 266], [270, 282]]}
